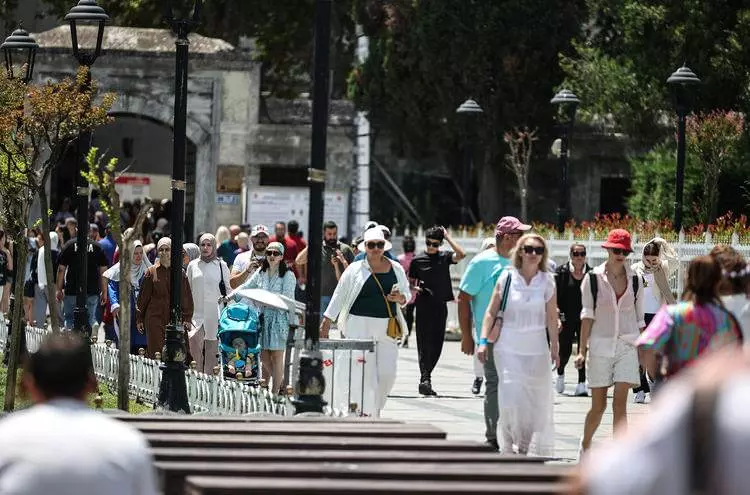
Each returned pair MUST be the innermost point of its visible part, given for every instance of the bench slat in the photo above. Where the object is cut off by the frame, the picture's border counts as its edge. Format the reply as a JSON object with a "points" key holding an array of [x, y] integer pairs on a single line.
{"points": [[251, 418]]}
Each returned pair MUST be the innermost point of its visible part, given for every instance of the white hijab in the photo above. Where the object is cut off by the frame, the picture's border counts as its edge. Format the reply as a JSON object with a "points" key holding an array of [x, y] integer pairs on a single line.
{"points": [[137, 271]]}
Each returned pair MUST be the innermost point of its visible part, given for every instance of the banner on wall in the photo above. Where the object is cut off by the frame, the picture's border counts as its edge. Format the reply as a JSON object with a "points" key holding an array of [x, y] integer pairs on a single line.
{"points": [[132, 187], [267, 205]]}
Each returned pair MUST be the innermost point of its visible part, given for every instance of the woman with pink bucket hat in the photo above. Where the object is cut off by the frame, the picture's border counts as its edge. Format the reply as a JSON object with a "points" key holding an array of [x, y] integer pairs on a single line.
{"points": [[611, 321]]}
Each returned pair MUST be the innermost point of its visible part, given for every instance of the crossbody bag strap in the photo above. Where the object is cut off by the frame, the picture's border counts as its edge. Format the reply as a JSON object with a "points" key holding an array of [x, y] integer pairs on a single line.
{"points": [[504, 300], [387, 306]]}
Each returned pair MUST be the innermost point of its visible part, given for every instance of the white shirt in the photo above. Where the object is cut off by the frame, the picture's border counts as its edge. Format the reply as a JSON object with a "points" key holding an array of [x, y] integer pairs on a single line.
{"points": [[651, 303], [525, 317], [739, 305], [243, 260], [614, 319], [64, 448], [204, 281]]}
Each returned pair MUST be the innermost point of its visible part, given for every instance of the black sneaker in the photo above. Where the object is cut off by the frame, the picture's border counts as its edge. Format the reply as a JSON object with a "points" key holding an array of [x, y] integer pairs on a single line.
{"points": [[493, 445], [477, 386], [425, 388]]}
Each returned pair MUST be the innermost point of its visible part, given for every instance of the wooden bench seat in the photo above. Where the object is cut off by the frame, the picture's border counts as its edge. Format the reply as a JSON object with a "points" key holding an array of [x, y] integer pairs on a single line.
{"points": [[172, 474], [217, 485], [251, 418]]}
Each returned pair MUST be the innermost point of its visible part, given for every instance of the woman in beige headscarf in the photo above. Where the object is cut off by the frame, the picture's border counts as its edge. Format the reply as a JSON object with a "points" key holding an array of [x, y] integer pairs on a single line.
{"points": [[152, 310], [658, 263]]}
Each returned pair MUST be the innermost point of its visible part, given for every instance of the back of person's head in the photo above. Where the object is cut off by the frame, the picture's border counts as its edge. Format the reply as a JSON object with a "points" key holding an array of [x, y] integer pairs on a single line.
{"points": [[435, 233], [61, 368], [704, 276], [409, 245], [736, 274], [292, 226]]}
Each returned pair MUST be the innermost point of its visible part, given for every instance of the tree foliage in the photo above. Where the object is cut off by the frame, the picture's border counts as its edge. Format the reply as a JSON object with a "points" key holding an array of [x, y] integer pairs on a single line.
{"points": [[284, 33]]}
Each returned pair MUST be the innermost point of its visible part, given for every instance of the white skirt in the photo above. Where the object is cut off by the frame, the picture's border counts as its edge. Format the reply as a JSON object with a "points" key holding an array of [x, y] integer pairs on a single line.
{"points": [[526, 400]]}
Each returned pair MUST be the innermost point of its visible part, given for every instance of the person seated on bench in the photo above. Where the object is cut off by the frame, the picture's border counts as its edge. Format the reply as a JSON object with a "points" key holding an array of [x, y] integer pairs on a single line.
{"points": [[60, 446]]}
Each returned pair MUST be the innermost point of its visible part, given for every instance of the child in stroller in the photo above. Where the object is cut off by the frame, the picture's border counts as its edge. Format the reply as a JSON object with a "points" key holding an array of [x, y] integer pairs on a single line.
{"points": [[239, 347]]}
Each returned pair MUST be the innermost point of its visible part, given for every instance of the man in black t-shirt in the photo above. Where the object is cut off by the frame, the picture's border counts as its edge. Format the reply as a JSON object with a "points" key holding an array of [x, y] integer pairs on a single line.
{"points": [[430, 275], [67, 280]]}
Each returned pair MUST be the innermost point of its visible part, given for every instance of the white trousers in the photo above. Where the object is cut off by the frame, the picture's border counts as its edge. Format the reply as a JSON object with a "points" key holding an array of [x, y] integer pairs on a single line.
{"points": [[372, 374]]}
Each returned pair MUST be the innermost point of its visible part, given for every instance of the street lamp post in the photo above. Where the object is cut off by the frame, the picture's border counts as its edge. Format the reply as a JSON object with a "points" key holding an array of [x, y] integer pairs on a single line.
{"points": [[173, 388], [311, 384], [86, 14], [567, 103], [471, 110], [681, 81], [19, 50]]}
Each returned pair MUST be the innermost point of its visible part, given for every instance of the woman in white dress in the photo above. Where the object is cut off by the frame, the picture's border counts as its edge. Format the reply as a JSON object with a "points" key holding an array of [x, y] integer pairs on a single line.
{"points": [[206, 275], [522, 355]]}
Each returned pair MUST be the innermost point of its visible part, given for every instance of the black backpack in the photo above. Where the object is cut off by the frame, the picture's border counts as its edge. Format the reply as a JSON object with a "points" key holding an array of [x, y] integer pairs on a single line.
{"points": [[595, 287]]}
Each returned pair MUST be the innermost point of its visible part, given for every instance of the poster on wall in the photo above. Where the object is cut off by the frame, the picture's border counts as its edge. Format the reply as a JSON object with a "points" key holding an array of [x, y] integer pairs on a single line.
{"points": [[132, 187], [268, 205]]}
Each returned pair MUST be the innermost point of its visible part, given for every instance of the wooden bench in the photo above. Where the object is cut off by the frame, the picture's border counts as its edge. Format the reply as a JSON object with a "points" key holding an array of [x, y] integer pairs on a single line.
{"points": [[312, 442], [213, 485], [252, 418], [359, 456], [297, 429], [172, 474]]}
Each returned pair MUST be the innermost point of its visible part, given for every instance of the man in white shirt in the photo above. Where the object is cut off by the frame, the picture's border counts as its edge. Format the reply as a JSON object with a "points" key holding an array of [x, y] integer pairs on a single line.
{"points": [[246, 263], [62, 447]]}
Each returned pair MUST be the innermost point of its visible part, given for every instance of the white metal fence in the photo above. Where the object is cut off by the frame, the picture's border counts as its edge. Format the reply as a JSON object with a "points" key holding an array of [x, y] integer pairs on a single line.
{"points": [[560, 247], [206, 393]]}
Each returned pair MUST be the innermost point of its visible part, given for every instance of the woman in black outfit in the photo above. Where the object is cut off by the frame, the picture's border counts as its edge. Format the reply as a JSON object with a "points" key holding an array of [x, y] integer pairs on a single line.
{"points": [[568, 278]]}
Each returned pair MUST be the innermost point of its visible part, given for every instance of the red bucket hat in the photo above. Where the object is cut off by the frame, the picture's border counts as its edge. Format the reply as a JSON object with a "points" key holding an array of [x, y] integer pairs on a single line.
{"points": [[618, 238]]}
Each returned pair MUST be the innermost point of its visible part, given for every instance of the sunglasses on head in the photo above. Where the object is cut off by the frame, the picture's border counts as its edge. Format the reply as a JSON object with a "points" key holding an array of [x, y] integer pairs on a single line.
{"points": [[578, 254], [619, 251], [375, 245], [273, 253], [433, 243], [533, 250]]}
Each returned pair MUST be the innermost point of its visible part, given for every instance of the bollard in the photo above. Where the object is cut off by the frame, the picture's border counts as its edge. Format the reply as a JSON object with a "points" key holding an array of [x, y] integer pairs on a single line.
{"points": [[193, 365]]}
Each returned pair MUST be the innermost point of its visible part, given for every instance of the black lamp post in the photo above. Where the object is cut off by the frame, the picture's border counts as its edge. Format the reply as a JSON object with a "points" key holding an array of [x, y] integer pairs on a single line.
{"points": [[470, 110], [681, 81], [567, 103], [173, 388], [87, 14], [19, 50], [311, 384]]}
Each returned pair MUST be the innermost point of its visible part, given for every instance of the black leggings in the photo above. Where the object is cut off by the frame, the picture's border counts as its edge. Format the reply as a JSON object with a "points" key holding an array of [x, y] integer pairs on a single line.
{"points": [[644, 387], [409, 317], [571, 332], [431, 316]]}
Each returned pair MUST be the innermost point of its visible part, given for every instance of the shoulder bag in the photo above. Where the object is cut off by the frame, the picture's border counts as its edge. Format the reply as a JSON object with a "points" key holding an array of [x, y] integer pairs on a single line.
{"points": [[394, 329], [497, 326]]}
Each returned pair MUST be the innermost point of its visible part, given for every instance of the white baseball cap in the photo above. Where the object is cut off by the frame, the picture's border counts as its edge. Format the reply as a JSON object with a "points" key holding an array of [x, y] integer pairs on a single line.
{"points": [[259, 229]]}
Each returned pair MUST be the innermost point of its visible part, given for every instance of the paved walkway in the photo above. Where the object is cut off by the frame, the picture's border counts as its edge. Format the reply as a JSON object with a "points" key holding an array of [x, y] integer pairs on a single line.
{"points": [[459, 413]]}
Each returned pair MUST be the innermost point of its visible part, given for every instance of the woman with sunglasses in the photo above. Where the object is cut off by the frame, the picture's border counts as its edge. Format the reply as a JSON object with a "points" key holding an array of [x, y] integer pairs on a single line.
{"points": [[370, 292], [273, 276], [209, 278], [152, 309], [521, 353], [611, 320], [568, 280], [658, 263]]}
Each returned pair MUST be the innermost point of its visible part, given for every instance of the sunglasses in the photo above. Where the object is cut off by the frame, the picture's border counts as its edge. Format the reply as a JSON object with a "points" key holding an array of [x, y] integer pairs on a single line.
{"points": [[618, 251], [433, 243], [578, 254], [273, 253], [375, 245], [533, 250]]}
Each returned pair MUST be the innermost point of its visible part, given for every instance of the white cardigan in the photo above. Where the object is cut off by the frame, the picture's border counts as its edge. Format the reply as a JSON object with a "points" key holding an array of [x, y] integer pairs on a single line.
{"points": [[349, 286]]}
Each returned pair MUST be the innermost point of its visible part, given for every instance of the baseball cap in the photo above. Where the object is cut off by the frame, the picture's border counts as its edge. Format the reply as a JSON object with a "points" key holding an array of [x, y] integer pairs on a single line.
{"points": [[508, 225], [259, 229]]}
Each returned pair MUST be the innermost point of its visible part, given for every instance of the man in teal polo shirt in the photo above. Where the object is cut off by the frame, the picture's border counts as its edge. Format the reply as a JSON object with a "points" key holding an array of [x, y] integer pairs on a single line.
{"points": [[474, 295]]}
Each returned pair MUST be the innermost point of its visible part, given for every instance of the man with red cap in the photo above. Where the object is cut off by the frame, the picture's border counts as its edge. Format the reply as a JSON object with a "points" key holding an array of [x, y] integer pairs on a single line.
{"points": [[475, 292], [611, 321]]}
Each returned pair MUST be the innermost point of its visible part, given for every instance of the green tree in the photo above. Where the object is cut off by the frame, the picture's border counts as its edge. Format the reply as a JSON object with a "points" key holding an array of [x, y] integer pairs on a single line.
{"points": [[284, 32], [428, 56]]}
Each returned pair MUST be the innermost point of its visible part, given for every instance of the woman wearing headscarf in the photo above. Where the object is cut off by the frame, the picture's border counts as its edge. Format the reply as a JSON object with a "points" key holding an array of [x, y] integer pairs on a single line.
{"points": [[152, 310], [138, 266], [209, 278], [273, 276], [40, 300], [658, 263], [191, 252]]}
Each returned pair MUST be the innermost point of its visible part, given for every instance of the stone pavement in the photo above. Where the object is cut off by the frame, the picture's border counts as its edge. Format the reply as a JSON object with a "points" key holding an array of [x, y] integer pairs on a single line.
{"points": [[459, 413]]}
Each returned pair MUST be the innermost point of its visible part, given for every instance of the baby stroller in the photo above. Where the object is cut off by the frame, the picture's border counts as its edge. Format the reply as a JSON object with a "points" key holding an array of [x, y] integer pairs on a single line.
{"points": [[240, 326]]}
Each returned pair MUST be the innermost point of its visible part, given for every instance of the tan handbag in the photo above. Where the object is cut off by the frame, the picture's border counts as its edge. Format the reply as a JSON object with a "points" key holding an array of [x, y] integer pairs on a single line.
{"points": [[394, 330], [497, 326]]}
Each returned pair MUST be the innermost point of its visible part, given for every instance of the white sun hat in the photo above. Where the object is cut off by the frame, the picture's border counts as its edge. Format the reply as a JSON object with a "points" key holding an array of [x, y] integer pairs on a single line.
{"points": [[374, 235]]}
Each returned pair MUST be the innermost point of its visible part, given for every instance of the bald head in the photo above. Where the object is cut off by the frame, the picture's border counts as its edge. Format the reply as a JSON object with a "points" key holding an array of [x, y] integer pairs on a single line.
{"points": [[234, 230]]}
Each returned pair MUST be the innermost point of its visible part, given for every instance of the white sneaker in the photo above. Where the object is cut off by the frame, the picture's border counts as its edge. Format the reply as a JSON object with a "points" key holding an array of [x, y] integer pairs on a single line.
{"points": [[640, 397], [560, 384], [581, 390]]}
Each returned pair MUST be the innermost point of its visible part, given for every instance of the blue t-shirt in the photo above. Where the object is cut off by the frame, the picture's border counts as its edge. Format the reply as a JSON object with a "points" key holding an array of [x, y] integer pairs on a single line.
{"points": [[479, 281]]}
